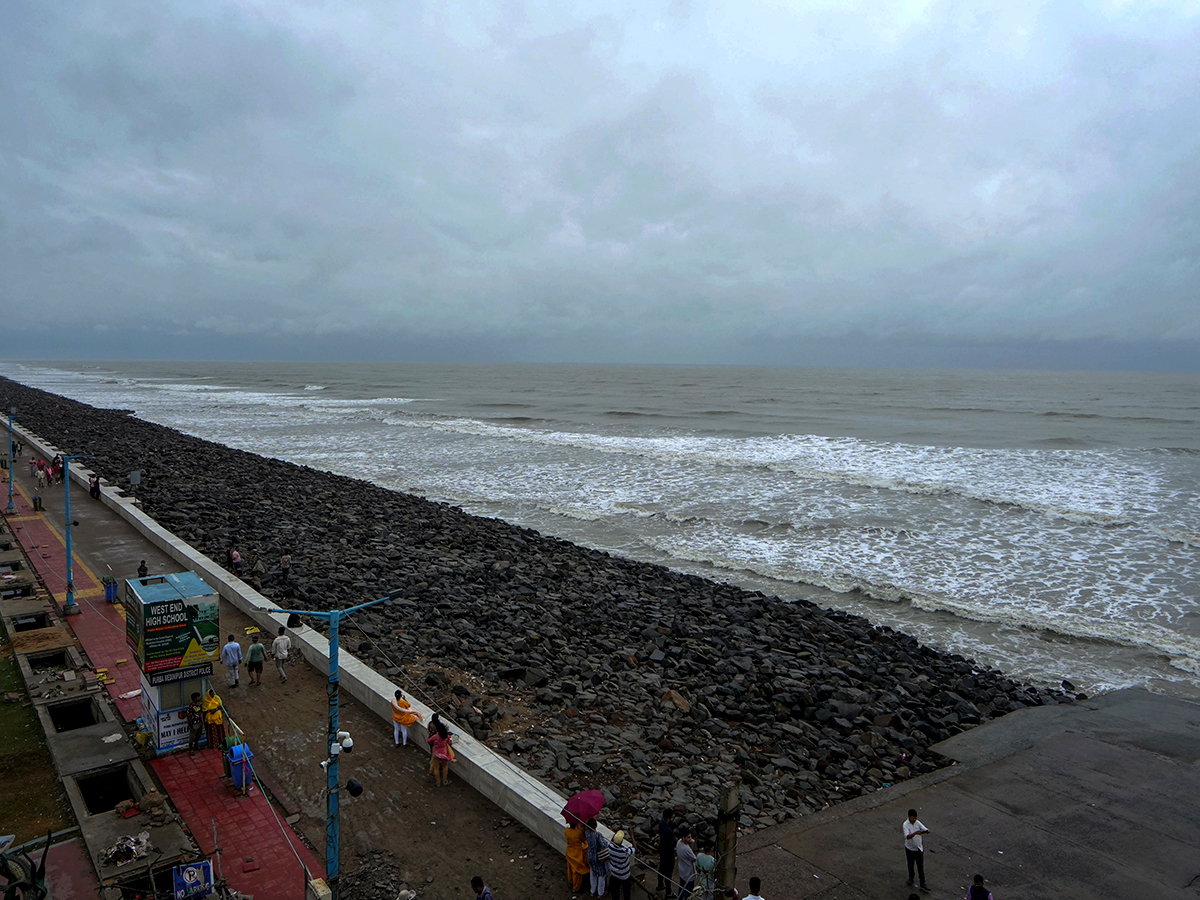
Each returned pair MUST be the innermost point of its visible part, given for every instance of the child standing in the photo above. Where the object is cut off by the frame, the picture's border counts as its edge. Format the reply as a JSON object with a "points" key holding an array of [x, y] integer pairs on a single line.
{"points": [[443, 754]]}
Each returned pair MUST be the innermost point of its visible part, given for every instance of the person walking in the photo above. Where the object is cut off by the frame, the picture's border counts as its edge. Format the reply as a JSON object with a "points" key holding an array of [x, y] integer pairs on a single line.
{"points": [[285, 567], [403, 715], [755, 889], [597, 857], [914, 848], [576, 853], [231, 656], [482, 891], [256, 654], [214, 719], [620, 865], [33, 466], [195, 722], [443, 754], [686, 855], [235, 558], [94, 487], [977, 891], [279, 649], [666, 850]]}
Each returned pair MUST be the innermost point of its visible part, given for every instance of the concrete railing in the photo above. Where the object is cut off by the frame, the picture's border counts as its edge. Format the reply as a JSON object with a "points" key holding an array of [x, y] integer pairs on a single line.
{"points": [[520, 795]]}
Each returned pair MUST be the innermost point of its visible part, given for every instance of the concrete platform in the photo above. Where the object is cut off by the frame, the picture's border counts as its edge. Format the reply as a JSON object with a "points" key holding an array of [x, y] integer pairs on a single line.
{"points": [[1093, 800]]}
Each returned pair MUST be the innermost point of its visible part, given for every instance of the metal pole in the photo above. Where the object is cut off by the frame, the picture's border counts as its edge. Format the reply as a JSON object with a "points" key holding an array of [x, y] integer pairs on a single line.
{"points": [[72, 607], [331, 815], [12, 412]]}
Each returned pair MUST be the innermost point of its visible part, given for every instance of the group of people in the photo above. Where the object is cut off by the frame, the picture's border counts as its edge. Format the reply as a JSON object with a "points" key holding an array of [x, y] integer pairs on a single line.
{"points": [[254, 657], [46, 472], [205, 717], [440, 740], [608, 865]]}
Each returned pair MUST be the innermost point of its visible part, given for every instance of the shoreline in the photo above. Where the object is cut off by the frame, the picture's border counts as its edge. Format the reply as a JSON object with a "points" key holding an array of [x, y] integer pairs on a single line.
{"points": [[651, 684]]}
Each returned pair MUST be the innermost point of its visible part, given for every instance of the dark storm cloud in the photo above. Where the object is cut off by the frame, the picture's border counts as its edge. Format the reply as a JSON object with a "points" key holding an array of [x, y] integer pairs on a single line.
{"points": [[683, 181]]}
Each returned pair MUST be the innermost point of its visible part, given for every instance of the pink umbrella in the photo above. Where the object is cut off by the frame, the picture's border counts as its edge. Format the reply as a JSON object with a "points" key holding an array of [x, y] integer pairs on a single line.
{"points": [[583, 806]]}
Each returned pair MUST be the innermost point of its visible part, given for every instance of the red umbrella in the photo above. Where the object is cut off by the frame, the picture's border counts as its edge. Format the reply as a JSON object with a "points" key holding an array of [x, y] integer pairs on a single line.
{"points": [[583, 806]]}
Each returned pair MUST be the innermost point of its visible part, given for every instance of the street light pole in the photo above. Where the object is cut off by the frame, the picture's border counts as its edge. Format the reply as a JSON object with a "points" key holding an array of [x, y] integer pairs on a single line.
{"points": [[72, 608], [333, 617], [12, 412]]}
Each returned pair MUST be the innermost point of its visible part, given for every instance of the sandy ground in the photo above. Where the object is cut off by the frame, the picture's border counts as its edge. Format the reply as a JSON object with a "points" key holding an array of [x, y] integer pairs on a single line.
{"points": [[441, 836]]}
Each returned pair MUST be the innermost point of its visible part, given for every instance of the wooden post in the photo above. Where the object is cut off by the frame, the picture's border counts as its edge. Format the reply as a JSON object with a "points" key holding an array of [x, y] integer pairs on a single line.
{"points": [[727, 826]]}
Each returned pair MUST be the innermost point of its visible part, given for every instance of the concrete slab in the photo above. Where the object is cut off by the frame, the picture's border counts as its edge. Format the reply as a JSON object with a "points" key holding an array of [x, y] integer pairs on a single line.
{"points": [[1089, 801], [93, 747]]}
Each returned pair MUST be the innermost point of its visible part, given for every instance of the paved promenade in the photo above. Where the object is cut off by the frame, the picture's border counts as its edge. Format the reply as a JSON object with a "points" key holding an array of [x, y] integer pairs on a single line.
{"points": [[1092, 800], [104, 545]]}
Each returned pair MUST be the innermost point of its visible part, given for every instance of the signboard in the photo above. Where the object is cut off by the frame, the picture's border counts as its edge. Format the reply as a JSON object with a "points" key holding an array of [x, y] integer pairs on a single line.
{"points": [[168, 727], [168, 630], [172, 675], [193, 880]]}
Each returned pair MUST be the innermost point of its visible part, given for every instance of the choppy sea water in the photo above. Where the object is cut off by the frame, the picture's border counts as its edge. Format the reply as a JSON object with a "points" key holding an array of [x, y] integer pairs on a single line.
{"points": [[1044, 523]]}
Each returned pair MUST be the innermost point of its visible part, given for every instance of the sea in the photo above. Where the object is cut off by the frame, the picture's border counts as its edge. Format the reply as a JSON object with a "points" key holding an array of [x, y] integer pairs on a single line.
{"points": [[1043, 523]]}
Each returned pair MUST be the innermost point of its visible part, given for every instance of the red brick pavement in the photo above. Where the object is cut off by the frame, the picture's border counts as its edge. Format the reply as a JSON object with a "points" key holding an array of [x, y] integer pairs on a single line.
{"points": [[246, 827], [101, 626]]}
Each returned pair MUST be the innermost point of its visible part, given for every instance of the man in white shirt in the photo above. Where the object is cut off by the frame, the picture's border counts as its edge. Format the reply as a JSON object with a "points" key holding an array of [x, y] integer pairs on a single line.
{"points": [[279, 649], [755, 887], [231, 655], [914, 848]]}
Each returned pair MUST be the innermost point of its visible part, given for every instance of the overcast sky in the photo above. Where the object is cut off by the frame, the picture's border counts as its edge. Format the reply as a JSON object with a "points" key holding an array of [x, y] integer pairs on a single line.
{"points": [[675, 182]]}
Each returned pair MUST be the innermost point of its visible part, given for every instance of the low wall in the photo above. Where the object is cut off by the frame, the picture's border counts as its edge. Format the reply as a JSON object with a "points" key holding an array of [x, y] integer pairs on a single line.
{"points": [[523, 797]]}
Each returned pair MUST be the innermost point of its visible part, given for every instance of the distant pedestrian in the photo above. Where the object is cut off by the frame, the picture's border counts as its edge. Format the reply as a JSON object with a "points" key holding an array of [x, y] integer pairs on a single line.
{"points": [[620, 865], [576, 853], [279, 649], [285, 567], [403, 715], [235, 557], [255, 654], [195, 723], [443, 754], [914, 848], [33, 466], [231, 656], [41, 479], [143, 569], [706, 871], [666, 850], [977, 891], [598, 851], [94, 486], [482, 891], [686, 856], [214, 720], [755, 889]]}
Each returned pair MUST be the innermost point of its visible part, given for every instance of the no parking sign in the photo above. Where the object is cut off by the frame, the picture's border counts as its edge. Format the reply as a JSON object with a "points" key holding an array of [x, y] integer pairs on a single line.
{"points": [[194, 880]]}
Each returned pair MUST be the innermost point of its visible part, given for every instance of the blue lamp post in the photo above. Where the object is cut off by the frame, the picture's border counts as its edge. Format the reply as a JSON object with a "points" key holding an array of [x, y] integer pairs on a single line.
{"points": [[12, 412], [72, 608], [331, 813]]}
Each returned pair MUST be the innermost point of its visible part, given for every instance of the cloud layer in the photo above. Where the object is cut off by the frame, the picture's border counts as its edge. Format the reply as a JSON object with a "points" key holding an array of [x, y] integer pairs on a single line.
{"points": [[675, 182]]}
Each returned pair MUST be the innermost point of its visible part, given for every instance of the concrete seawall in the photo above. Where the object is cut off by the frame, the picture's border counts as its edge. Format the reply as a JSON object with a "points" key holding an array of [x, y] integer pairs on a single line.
{"points": [[527, 800]]}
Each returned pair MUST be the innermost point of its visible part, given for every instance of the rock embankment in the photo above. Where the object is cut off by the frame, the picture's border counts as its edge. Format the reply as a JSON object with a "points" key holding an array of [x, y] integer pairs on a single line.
{"points": [[587, 669]]}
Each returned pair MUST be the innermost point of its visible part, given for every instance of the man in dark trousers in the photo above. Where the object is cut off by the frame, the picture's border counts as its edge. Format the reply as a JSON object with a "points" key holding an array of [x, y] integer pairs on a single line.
{"points": [[914, 847], [666, 850], [195, 721]]}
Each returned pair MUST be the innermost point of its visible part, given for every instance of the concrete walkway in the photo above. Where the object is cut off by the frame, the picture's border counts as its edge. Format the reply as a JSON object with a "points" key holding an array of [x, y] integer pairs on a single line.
{"points": [[1092, 800]]}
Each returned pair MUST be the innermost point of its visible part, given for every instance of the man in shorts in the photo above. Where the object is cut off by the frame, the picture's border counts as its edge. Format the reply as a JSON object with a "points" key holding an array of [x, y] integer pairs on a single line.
{"points": [[255, 654]]}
